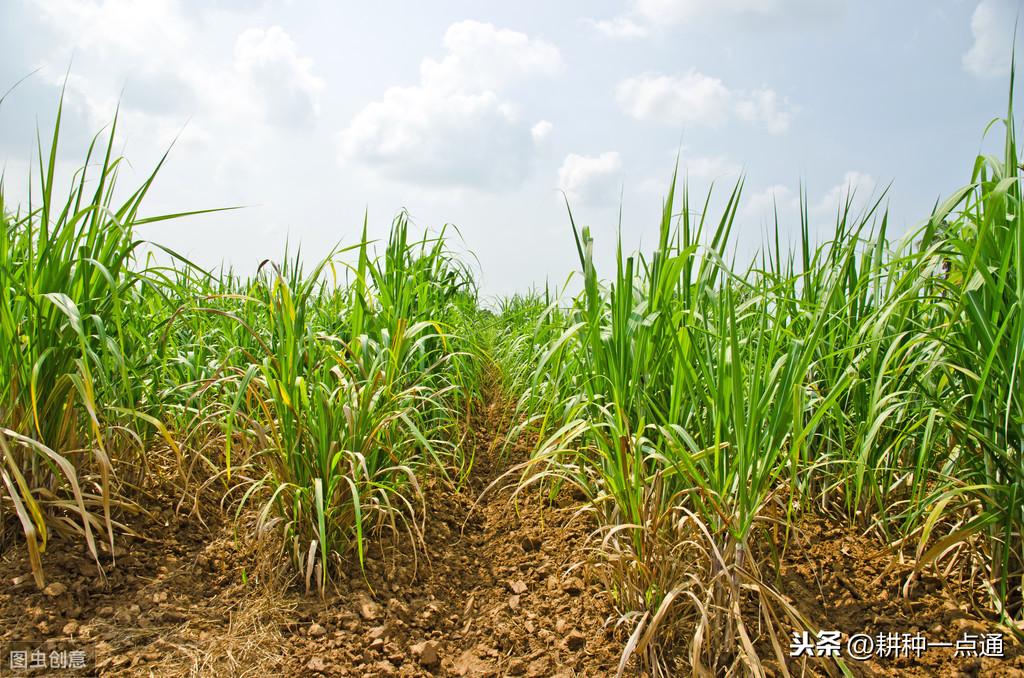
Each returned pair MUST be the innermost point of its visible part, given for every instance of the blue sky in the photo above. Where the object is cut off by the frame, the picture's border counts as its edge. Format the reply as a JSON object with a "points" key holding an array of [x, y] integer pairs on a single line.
{"points": [[480, 114]]}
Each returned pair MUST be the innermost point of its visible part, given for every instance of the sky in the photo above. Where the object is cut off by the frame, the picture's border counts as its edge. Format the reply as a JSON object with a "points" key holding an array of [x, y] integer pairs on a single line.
{"points": [[489, 115]]}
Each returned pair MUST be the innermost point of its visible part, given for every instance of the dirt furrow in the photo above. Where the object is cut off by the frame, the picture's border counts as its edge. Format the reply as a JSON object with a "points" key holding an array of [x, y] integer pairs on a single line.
{"points": [[492, 589], [496, 591]]}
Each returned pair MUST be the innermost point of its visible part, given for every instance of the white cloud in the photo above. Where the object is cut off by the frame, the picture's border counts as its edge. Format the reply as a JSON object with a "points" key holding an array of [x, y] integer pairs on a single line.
{"points": [[992, 29], [711, 168], [677, 11], [540, 131], [764, 107], [644, 16], [692, 98], [673, 11], [454, 128], [763, 204], [289, 88], [483, 57], [856, 187], [591, 179], [120, 27], [698, 99], [621, 27], [419, 134], [158, 53]]}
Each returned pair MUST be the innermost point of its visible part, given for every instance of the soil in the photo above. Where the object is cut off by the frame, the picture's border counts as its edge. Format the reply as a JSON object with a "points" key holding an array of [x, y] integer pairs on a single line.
{"points": [[844, 581], [498, 587]]}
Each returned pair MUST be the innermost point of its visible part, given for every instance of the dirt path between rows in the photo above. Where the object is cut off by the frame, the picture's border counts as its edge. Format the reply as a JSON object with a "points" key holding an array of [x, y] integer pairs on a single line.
{"points": [[496, 592], [492, 590]]}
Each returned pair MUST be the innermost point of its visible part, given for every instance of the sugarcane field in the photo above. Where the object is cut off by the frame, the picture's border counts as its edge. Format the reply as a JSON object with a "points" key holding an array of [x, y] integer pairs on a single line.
{"points": [[628, 338]]}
